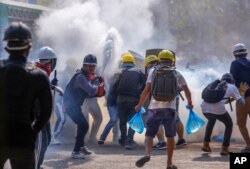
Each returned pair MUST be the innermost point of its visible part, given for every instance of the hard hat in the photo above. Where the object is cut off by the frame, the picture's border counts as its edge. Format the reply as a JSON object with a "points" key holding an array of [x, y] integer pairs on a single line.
{"points": [[228, 78], [239, 49], [46, 53], [150, 59], [128, 58], [18, 36], [90, 59], [166, 54]]}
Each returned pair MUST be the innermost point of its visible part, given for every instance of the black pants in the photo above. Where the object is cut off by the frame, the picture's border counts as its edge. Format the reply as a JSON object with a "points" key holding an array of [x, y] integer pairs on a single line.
{"points": [[126, 111], [77, 117], [19, 157], [226, 120]]}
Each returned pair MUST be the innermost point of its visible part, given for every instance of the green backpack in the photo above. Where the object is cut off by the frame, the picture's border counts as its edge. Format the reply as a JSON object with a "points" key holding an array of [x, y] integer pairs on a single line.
{"points": [[164, 85]]}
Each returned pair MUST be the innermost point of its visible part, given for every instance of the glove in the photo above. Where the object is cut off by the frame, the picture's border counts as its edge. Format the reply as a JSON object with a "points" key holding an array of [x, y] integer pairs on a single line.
{"points": [[101, 90], [54, 82], [243, 88], [97, 80], [59, 90]]}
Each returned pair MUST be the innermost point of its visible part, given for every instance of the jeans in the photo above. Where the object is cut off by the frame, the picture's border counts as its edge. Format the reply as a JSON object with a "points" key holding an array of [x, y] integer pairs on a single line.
{"points": [[113, 115], [75, 113], [126, 111], [19, 157], [226, 120]]}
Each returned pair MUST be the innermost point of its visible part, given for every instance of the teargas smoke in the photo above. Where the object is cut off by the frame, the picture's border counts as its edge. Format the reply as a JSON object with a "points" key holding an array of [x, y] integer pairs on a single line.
{"points": [[202, 35]]}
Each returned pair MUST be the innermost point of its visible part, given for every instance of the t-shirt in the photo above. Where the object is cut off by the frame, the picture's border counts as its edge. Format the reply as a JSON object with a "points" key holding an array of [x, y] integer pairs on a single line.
{"points": [[219, 108], [159, 104]]}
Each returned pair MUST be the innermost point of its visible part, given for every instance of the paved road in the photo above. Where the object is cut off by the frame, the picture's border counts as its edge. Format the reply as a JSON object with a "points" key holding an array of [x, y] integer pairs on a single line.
{"points": [[113, 156]]}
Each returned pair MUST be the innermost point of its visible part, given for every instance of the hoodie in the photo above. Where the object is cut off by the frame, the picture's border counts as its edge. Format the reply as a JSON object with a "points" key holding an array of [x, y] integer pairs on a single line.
{"points": [[240, 69]]}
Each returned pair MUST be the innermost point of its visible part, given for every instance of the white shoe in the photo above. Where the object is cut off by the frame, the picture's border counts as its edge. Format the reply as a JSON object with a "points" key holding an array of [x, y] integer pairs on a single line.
{"points": [[77, 155], [54, 141]]}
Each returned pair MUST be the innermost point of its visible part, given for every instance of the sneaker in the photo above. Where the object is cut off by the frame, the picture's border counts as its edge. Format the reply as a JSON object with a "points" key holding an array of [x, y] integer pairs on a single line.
{"points": [[122, 143], [85, 150], [55, 141], [206, 147], [142, 161], [246, 149], [100, 142], [77, 155], [181, 143], [224, 151], [160, 146], [129, 146]]}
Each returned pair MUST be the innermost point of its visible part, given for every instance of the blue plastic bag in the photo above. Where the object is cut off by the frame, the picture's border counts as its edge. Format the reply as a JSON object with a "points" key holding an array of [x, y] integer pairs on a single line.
{"points": [[136, 122], [194, 122]]}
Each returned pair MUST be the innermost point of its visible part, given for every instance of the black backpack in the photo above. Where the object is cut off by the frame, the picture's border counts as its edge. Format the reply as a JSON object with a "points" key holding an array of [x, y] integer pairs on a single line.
{"points": [[164, 85], [215, 91]]}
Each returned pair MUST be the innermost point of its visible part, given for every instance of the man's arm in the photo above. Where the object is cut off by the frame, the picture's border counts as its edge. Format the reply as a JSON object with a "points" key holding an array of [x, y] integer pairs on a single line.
{"points": [[45, 104], [143, 97], [188, 96]]}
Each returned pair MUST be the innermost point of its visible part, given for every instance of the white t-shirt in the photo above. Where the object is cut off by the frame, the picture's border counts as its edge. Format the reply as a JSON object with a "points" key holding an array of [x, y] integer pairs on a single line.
{"points": [[158, 104], [219, 108]]}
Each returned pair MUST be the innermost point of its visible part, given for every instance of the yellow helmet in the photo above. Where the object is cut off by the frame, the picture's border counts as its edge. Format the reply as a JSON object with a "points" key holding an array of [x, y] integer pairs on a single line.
{"points": [[128, 58], [151, 58], [166, 54]]}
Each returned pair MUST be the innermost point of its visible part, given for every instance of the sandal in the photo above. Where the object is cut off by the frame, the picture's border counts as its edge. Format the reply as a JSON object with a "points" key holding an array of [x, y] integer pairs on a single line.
{"points": [[142, 161]]}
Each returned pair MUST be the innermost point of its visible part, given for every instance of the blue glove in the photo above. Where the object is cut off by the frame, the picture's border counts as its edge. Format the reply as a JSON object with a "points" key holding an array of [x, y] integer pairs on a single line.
{"points": [[54, 82]]}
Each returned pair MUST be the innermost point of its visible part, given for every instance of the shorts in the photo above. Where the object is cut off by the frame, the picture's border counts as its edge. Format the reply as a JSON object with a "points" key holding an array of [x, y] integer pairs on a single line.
{"points": [[164, 116]]}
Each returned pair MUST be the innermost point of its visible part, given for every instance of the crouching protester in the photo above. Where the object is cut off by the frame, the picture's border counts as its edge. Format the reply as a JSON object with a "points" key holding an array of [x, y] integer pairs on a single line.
{"points": [[215, 96], [80, 87], [162, 84]]}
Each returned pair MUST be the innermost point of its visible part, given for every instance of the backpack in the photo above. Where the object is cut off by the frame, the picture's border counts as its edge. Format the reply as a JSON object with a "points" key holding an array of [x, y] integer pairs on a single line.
{"points": [[164, 85], [131, 83], [215, 91]]}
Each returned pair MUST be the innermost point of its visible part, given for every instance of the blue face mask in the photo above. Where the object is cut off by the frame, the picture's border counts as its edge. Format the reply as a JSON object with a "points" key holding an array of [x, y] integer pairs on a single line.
{"points": [[128, 65]]}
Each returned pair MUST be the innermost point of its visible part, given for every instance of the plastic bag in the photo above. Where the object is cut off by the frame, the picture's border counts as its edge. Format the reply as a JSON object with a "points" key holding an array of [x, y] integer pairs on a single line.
{"points": [[194, 122], [136, 122]]}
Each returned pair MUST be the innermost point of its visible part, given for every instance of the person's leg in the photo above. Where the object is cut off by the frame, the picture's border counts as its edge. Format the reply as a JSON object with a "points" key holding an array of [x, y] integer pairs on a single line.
{"points": [[82, 126], [96, 113], [210, 125], [113, 115], [153, 124], [60, 121], [161, 145], [180, 132], [123, 122], [22, 158], [170, 132], [43, 141], [242, 113], [130, 137], [227, 121]]}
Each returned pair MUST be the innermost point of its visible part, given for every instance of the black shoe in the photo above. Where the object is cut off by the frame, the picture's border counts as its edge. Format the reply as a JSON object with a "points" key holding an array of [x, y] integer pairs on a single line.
{"points": [[121, 142], [172, 167], [142, 161], [181, 143], [100, 142], [85, 150], [160, 146]]}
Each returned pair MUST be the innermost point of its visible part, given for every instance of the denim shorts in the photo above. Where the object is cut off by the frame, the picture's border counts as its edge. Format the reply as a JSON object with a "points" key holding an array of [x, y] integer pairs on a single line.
{"points": [[165, 117]]}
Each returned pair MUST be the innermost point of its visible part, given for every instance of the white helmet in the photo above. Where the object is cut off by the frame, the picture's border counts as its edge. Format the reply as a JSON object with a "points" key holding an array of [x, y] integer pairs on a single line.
{"points": [[46, 53], [239, 49]]}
